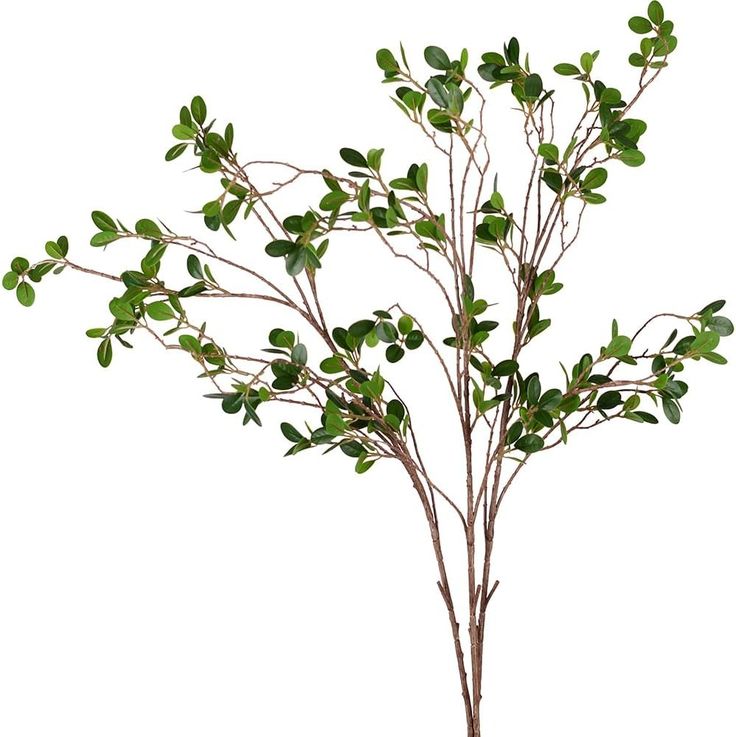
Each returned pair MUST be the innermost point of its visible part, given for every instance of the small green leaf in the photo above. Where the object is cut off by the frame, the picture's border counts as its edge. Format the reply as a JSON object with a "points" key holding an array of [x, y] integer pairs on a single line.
{"points": [[533, 86], [103, 221], [25, 294], [160, 311], [361, 328], [190, 343], [199, 109], [104, 353], [19, 264], [183, 132], [194, 267], [505, 368], [291, 433], [549, 151], [296, 261], [394, 353], [619, 347], [10, 280], [595, 178], [655, 11], [148, 228], [299, 354], [671, 410], [175, 151], [437, 58], [721, 325], [529, 443], [280, 248], [567, 70], [353, 157], [103, 238], [632, 157], [386, 60], [639, 25], [414, 339], [405, 324]]}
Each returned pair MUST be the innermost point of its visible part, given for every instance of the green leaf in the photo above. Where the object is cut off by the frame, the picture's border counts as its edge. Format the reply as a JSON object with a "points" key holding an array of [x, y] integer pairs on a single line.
{"points": [[386, 60], [632, 157], [160, 311], [175, 151], [353, 157], [721, 325], [505, 368], [26, 294], [103, 221], [595, 178], [280, 248], [183, 132], [299, 354], [394, 353], [567, 70], [438, 93], [609, 400], [334, 200], [121, 310], [533, 86], [671, 410], [655, 11], [10, 280], [296, 261], [386, 332], [529, 443], [104, 353], [637, 60], [405, 324], [437, 58], [618, 347], [291, 433], [639, 25], [194, 267], [414, 339], [332, 365], [103, 238], [53, 250], [19, 264], [190, 343], [533, 389], [147, 228], [549, 151], [199, 109], [705, 342], [361, 328]]}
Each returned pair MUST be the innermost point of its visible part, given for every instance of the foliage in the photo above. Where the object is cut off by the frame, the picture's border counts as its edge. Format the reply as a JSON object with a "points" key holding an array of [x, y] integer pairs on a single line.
{"points": [[505, 410]]}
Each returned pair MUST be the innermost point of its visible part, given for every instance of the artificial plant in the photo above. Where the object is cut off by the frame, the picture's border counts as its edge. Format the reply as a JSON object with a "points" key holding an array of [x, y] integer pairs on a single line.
{"points": [[448, 233]]}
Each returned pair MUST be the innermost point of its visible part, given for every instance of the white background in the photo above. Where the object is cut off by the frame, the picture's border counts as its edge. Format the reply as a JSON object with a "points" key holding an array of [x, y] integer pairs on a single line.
{"points": [[164, 572]]}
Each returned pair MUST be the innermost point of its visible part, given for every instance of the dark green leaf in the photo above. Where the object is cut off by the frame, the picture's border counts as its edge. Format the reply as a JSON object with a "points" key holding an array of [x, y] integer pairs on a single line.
{"points": [[199, 109], [505, 368], [291, 433], [353, 157], [437, 58], [529, 443], [671, 410], [104, 353]]}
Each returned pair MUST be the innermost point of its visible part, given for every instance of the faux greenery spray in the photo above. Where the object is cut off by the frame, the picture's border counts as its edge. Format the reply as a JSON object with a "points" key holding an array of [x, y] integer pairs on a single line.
{"points": [[505, 415]]}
